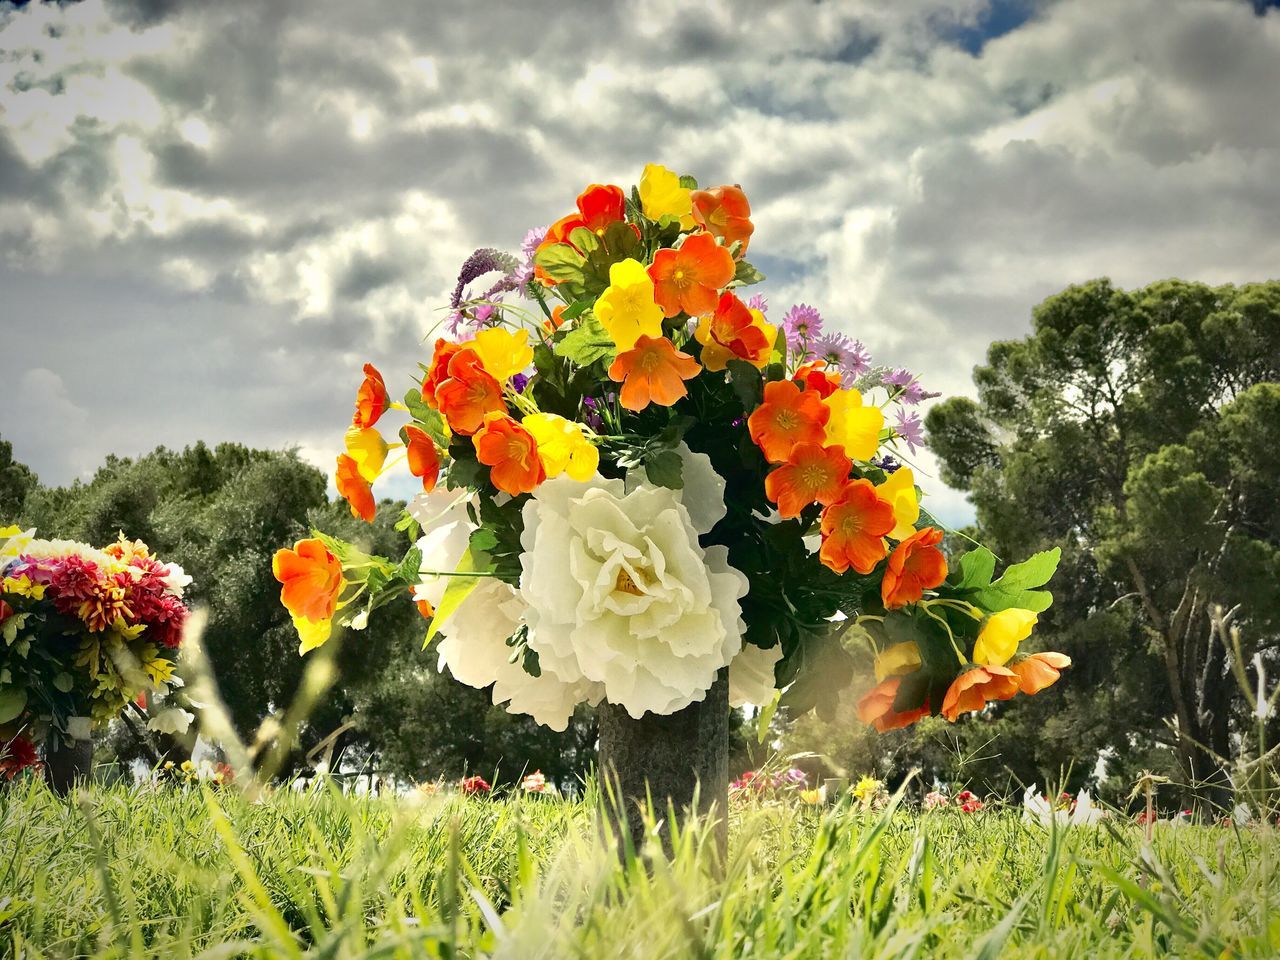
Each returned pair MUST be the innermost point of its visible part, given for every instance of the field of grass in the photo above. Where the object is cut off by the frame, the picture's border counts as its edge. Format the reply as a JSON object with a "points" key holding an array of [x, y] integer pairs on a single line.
{"points": [[177, 872]]}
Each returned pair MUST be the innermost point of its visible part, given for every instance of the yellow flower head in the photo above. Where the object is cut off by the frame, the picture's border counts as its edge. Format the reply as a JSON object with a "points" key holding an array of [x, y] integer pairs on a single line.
{"points": [[853, 426], [662, 195], [14, 542], [900, 491], [367, 448], [503, 353], [23, 586], [897, 659], [867, 789], [627, 308], [999, 637], [562, 446], [311, 633]]}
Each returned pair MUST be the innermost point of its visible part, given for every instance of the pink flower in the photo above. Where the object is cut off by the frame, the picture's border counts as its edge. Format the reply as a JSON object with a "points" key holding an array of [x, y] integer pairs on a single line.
{"points": [[473, 785]]}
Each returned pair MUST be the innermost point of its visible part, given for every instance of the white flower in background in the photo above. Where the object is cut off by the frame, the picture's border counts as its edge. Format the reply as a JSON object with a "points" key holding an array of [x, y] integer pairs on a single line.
{"points": [[175, 579], [1083, 813], [619, 590], [174, 721], [751, 675], [474, 647], [442, 515]]}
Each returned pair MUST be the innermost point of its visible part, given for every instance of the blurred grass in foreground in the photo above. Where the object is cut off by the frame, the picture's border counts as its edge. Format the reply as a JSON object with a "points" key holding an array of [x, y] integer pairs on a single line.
{"points": [[180, 872]]}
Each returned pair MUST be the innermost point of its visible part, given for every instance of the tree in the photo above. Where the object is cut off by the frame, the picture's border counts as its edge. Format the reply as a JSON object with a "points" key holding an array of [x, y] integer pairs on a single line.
{"points": [[16, 481], [1140, 431]]}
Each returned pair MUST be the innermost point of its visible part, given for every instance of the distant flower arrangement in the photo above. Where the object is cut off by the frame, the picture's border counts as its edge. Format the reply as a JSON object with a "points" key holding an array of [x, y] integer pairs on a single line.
{"points": [[633, 479], [82, 632]]}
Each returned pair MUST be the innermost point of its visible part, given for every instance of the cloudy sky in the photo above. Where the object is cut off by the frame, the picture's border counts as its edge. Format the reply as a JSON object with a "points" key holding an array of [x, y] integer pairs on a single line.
{"points": [[212, 213]]}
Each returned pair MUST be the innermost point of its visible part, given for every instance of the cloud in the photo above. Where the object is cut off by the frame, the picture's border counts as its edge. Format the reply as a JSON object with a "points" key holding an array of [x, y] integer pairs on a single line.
{"points": [[230, 206]]}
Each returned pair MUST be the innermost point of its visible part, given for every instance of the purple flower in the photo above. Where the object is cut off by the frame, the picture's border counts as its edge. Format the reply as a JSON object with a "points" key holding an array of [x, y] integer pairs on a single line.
{"points": [[802, 324], [912, 391], [758, 302], [592, 416], [532, 240], [899, 377], [850, 357], [518, 382], [910, 429], [482, 261], [886, 463]]}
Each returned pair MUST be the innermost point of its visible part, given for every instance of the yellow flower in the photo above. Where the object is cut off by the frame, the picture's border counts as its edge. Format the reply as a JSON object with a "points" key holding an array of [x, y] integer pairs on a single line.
{"points": [[867, 789], [503, 353], [14, 541], [23, 587], [999, 637], [900, 491], [811, 797], [853, 426], [367, 448], [311, 633], [897, 659], [562, 446], [627, 308], [661, 195]]}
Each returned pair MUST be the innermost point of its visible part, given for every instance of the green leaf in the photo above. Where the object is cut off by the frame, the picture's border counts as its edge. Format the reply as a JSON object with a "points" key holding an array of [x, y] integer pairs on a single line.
{"points": [[665, 469], [562, 263], [1015, 588], [459, 589], [585, 240], [407, 524], [482, 540], [766, 716], [63, 682], [745, 275], [1035, 571], [430, 420], [688, 182], [410, 565], [586, 343], [747, 383], [13, 700], [976, 568], [576, 309]]}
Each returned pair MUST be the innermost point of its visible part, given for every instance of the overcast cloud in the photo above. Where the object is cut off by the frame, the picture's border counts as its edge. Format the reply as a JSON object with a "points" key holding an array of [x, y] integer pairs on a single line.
{"points": [[212, 213]]}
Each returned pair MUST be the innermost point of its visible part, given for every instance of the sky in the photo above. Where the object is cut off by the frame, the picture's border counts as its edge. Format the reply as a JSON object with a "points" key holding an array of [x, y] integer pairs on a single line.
{"points": [[212, 214]]}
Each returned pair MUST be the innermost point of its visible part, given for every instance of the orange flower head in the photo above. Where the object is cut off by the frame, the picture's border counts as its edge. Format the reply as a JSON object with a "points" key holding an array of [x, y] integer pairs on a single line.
{"points": [[977, 687], [854, 528], [355, 489], [734, 331], [310, 579], [438, 369], [690, 278], [786, 417], [814, 376], [812, 473], [876, 708], [371, 398], [653, 371], [469, 393], [425, 609], [1039, 670], [424, 460], [558, 232], [556, 320], [916, 565], [725, 212], [600, 205], [511, 453]]}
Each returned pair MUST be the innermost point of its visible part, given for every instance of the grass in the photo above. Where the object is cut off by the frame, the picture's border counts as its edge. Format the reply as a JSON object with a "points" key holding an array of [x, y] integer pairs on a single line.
{"points": [[177, 872]]}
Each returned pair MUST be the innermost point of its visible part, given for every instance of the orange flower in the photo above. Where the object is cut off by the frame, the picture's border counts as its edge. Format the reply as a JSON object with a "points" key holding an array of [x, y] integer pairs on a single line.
{"points": [[734, 330], [438, 370], [424, 461], [653, 371], [854, 528], [876, 708], [310, 578], [977, 687], [425, 609], [598, 206], [511, 453], [787, 417], [556, 320], [355, 489], [813, 376], [725, 212], [915, 566], [371, 398], [690, 278], [1039, 670], [469, 393], [811, 473]]}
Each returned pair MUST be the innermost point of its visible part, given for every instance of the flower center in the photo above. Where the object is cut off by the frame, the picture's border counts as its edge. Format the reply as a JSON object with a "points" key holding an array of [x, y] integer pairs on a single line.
{"points": [[625, 584]]}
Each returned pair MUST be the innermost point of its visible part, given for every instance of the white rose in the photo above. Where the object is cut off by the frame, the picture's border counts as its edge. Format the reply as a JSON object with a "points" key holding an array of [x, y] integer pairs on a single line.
{"points": [[619, 591], [442, 515], [474, 647], [175, 579], [751, 675]]}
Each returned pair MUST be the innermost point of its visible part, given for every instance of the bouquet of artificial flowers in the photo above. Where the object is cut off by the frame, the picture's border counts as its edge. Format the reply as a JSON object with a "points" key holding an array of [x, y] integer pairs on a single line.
{"points": [[633, 480], [82, 632]]}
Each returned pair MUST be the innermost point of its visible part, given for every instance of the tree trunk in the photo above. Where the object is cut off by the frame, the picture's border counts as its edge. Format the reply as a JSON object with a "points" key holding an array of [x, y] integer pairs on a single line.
{"points": [[69, 763], [668, 758]]}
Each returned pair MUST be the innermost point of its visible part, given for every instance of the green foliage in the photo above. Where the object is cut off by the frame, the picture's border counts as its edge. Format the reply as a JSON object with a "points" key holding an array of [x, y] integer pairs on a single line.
{"points": [[1138, 429], [173, 872], [16, 481]]}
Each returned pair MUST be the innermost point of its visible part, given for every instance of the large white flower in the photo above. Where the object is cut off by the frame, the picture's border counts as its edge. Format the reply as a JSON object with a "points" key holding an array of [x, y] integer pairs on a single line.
{"points": [[442, 514], [751, 675], [620, 592], [474, 648]]}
